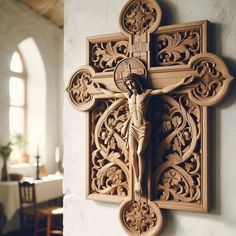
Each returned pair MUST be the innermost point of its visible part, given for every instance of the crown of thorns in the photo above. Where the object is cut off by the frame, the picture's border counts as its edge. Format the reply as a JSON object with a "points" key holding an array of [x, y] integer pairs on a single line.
{"points": [[129, 77]]}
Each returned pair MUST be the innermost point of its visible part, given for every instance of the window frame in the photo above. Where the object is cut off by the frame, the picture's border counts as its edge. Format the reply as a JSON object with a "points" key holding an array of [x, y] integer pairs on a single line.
{"points": [[23, 76]]}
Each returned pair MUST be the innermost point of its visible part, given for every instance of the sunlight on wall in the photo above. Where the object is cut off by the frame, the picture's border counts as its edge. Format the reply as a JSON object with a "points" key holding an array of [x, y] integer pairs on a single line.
{"points": [[36, 97]]}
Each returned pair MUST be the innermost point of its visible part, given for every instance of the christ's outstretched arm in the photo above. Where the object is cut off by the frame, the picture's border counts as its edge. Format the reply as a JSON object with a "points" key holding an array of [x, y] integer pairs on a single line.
{"points": [[185, 81], [108, 92]]}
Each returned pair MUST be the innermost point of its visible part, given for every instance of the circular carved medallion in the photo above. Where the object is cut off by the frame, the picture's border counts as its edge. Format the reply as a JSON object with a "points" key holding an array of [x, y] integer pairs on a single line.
{"points": [[141, 217], [126, 67], [139, 16]]}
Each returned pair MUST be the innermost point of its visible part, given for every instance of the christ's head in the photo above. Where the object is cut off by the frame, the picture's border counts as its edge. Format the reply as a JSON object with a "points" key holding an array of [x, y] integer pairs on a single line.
{"points": [[133, 85]]}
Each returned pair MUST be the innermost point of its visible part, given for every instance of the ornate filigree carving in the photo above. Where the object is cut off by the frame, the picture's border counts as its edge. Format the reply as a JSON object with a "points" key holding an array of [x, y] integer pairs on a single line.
{"points": [[106, 55], [177, 175], [140, 16], [213, 79], [141, 217], [177, 48], [80, 88], [110, 164]]}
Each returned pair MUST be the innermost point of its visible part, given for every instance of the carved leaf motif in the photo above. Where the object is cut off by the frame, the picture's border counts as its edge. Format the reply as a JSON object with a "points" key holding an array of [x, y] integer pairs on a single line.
{"points": [[109, 170], [105, 56], [177, 172], [178, 48], [171, 178]]}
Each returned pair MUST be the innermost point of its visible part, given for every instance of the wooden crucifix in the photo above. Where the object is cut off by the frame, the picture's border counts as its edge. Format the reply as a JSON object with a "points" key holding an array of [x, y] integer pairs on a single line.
{"points": [[147, 91]]}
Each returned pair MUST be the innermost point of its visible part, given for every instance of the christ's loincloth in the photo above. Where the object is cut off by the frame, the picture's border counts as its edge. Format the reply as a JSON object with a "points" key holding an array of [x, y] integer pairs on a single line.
{"points": [[136, 132]]}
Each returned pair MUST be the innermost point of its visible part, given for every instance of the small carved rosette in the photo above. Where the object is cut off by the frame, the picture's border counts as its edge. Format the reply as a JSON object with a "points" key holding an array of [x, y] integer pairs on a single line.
{"points": [[140, 217]]}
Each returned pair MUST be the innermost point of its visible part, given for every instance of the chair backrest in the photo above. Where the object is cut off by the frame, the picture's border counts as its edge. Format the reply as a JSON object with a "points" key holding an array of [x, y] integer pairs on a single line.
{"points": [[2, 218], [27, 193]]}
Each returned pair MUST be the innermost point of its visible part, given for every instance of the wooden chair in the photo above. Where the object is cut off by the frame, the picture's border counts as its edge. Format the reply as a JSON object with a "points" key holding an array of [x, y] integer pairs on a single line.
{"points": [[29, 209], [2, 218]]}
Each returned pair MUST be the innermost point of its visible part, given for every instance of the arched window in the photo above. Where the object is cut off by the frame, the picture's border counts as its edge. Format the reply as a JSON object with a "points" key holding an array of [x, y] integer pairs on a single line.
{"points": [[17, 92], [28, 103]]}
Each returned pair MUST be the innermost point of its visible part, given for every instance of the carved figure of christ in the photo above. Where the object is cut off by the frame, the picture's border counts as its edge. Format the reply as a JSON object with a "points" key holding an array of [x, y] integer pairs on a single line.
{"points": [[136, 129]]}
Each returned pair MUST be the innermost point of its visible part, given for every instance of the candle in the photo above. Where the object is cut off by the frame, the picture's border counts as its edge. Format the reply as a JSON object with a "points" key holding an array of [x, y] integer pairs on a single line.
{"points": [[37, 150], [57, 154]]}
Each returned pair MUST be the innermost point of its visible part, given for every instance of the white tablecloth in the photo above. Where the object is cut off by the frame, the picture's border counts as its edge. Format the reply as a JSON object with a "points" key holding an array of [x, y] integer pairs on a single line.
{"points": [[48, 188]]}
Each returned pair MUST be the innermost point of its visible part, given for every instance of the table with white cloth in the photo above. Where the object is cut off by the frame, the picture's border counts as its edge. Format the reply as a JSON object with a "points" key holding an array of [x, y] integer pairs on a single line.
{"points": [[48, 188]]}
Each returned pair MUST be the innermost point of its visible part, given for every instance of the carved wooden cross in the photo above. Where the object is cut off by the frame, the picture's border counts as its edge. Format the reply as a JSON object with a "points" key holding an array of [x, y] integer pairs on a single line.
{"points": [[162, 58]]}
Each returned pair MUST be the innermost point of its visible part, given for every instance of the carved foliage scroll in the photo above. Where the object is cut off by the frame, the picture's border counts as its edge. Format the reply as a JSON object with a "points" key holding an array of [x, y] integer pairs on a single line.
{"points": [[177, 150], [177, 48], [106, 55], [109, 168], [176, 45]]}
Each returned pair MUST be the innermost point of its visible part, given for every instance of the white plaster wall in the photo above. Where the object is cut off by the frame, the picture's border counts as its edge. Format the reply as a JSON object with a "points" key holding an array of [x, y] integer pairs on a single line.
{"points": [[18, 22], [85, 18]]}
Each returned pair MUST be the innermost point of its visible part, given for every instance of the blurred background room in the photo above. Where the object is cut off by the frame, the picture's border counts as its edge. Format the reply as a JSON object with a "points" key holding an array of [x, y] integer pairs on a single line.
{"points": [[31, 100]]}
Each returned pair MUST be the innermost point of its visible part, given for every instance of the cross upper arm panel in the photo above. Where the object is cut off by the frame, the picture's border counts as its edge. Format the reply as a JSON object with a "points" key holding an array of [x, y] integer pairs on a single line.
{"points": [[149, 153]]}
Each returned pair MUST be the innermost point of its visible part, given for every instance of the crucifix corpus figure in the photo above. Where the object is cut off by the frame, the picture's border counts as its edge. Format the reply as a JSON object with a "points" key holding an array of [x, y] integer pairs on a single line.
{"points": [[135, 130]]}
